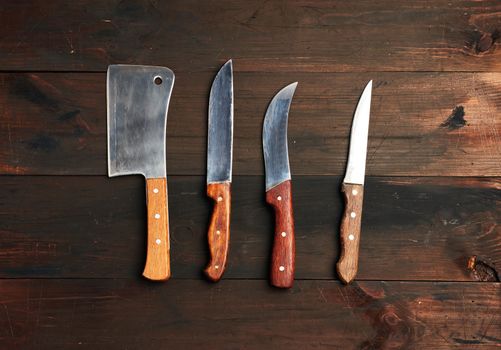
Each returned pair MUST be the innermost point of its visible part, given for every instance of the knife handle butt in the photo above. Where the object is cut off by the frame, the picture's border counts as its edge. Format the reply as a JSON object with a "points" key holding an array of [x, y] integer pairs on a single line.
{"points": [[347, 265], [219, 229], [284, 246], [157, 267]]}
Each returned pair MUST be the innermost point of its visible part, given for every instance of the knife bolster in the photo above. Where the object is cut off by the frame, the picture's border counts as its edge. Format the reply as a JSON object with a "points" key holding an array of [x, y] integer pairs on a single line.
{"points": [[284, 247], [157, 267], [347, 265], [219, 229]]}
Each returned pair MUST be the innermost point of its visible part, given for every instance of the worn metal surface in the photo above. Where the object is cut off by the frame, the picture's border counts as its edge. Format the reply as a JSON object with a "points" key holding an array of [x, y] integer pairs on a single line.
{"points": [[355, 170], [276, 154], [137, 101], [220, 134]]}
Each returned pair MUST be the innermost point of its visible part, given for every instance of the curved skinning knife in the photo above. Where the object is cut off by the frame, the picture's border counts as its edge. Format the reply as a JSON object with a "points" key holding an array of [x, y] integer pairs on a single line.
{"points": [[353, 189], [219, 161], [138, 100], [278, 187]]}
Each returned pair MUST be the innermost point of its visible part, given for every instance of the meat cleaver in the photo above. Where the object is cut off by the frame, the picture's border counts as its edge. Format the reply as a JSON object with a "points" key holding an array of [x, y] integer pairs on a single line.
{"points": [[138, 100]]}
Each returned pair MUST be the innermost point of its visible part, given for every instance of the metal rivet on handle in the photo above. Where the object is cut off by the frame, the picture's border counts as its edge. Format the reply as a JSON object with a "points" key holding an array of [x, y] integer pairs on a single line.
{"points": [[279, 198], [218, 232], [354, 192], [284, 234], [281, 268], [353, 214], [157, 216], [351, 237], [219, 199], [216, 267], [155, 190], [158, 241]]}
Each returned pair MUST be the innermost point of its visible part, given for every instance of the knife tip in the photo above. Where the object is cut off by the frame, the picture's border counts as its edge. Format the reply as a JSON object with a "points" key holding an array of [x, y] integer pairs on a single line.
{"points": [[291, 86]]}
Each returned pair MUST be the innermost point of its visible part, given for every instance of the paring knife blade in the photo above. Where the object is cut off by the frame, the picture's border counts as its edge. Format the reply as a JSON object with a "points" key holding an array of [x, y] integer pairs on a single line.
{"points": [[353, 189], [219, 166], [278, 187], [137, 102]]}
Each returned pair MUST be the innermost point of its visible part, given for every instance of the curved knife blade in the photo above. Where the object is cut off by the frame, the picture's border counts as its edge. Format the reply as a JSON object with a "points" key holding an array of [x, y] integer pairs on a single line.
{"points": [[276, 154], [220, 137], [355, 170]]}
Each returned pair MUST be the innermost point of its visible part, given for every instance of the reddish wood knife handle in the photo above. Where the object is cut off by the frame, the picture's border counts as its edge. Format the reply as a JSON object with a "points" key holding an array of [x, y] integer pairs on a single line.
{"points": [[219, 229], [347, 265], [157, 265], [284, 246]]}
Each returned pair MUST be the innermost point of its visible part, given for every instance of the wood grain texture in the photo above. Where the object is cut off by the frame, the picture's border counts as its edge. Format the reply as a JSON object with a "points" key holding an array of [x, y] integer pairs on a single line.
{"points": [[350, 232], [157, 267], [283, 254], [414, 228], [119, 314], [306, 35], [218, 234], [72, 247], [53, 123]]}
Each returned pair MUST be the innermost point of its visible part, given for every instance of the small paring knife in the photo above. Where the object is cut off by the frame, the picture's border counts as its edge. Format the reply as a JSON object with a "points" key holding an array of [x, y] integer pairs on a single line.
{"points": [[353, 189], [138, 100], [278, 187], [219, 163]]}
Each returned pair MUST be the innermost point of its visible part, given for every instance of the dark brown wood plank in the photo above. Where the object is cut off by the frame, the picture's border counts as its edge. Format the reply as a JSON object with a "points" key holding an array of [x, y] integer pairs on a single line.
{"points": [[307, 35], [131, 314], [412, 228], [56, 123]]}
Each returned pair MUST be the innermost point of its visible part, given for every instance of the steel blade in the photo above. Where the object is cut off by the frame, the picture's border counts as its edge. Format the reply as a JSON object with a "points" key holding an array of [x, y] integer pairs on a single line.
{"points": [[276, 154], [137, 102], [220, 134], [355, 170]]}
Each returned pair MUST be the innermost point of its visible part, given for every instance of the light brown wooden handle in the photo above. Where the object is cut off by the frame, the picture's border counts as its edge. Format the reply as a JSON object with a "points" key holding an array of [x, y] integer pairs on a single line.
{"points": [[157, 267], [219, 229], [347, 265], [284, 246]]}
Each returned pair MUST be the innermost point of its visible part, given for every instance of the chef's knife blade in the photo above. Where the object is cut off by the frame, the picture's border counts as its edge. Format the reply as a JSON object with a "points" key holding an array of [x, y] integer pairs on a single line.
{"points": [[137, 102], [219, 163], [278, 187], [353, 189]]}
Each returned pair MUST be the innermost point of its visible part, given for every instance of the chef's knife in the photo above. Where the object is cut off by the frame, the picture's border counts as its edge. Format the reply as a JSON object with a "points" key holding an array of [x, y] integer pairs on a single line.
{"points": [[278, 187], [353, 189], [219, 161], [138, 100]]}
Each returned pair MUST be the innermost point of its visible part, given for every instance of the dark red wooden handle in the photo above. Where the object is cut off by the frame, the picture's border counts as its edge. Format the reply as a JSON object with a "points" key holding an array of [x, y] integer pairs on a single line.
{"points": [[284, 246], [219, 229], [347, 265]]}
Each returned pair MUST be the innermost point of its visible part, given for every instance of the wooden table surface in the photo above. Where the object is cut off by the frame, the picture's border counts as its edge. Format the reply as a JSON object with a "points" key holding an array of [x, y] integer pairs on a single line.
{"points": [[72, 242]]}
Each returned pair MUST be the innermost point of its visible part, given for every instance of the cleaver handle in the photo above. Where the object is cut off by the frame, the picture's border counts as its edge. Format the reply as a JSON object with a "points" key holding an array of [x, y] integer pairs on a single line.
{"points": [[284, 246], [157, 267], [219, 229], [347, 265]]}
